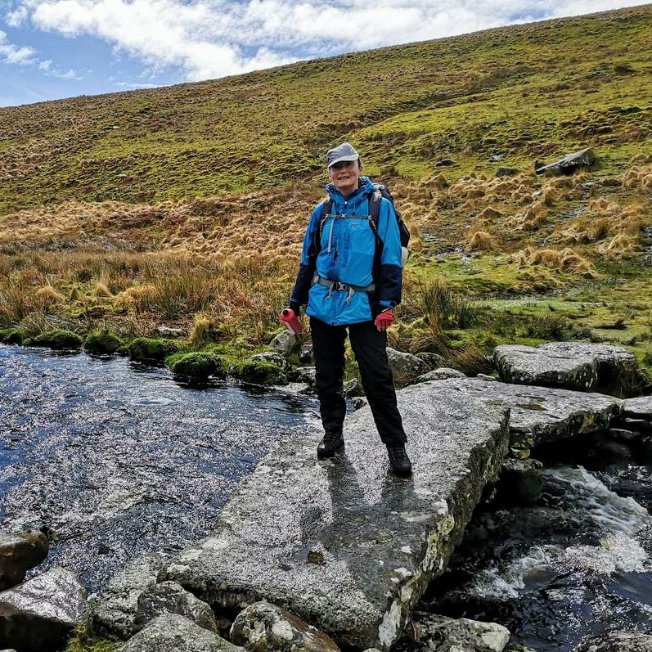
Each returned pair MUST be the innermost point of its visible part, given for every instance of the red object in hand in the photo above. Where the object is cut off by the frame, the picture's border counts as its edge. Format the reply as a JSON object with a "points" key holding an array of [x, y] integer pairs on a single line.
{"points": [[384, 320], [291, 321]]}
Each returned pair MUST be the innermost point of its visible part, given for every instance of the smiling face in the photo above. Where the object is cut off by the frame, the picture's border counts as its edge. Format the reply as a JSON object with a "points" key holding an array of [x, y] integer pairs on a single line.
{"points": [[345, 176]]}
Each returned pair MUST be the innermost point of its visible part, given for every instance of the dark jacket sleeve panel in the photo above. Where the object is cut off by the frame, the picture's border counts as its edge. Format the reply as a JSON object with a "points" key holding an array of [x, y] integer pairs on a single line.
{"points": [[390, 283], [390, 274]]}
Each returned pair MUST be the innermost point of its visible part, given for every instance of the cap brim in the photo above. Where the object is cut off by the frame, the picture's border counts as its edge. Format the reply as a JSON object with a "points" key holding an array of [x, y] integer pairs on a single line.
{"points": [[350, 158]]}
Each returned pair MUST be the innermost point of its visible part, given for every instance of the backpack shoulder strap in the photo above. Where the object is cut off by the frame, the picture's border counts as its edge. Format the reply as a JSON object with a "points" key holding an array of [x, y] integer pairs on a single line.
{"points": [[326, 210]]}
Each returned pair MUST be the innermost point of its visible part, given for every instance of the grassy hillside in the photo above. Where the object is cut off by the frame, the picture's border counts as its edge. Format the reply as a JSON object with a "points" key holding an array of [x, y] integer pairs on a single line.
{"points": [[166, 205]]}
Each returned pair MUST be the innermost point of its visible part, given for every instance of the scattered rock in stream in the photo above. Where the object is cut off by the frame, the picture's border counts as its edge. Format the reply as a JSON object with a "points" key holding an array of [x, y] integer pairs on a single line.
{"points": [[114, 613], [173, 632], [343, 544], [263, 626], [617, 641], [170, 597], [40, 614], [441, 634], [20, 551], [572, 365]]}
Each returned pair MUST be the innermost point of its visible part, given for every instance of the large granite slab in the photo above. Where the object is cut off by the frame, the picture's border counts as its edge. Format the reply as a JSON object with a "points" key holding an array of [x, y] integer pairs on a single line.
{"points": [[538, 415], [579, 366], [343, 544]]}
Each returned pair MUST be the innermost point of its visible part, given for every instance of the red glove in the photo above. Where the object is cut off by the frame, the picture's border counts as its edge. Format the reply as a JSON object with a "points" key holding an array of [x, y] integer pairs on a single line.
{"points": [[384, 320]]}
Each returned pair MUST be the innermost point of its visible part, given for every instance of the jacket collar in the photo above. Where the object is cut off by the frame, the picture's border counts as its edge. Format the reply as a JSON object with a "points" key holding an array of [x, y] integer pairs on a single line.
{"points": [[365, 188]]}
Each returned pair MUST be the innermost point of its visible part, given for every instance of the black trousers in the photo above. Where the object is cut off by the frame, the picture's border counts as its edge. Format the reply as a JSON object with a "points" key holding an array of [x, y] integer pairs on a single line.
{"points": [[368, 346]]}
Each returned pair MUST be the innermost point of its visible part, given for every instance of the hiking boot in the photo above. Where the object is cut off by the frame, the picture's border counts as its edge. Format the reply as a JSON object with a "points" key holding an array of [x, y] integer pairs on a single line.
{"points": [[331, 443], [399, 460]]}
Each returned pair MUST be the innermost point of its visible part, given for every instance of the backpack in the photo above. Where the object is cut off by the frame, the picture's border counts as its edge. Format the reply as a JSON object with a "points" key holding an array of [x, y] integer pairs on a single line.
{"points": [[374, 211]]}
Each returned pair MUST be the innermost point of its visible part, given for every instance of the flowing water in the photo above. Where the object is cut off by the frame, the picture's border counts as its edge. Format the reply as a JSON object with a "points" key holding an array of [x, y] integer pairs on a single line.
{"points": [[116, 460], [576, 564]]}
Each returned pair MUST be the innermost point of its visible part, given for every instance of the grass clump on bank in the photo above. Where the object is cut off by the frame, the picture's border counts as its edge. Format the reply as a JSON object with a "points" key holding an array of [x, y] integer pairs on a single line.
{"points": [[149, 349], [11, 336], [196, 365], [56, 339], [102, 342]]}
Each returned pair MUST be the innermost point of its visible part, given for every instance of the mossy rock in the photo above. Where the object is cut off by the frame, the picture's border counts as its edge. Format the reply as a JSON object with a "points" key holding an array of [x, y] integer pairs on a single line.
{"points": [[149, 349], [104, 341], [56, 339], [261, 372], [11, 336], [197, 365]]}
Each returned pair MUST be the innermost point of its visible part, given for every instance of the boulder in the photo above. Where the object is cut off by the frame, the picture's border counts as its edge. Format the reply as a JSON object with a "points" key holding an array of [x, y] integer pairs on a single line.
{"points": [[171, 632], [440, 374], [305, 375], [442, 634], [583, 158], [305, 355], [433, 360], [19, 552], [359, 402], [273, 357], [638, 408], [539, 415], [342, 543], [617, 641], [168, 331], [260, 372], [170, 597], [284, 342], [113, 614], [405, 366], [263, 626], [40, 614], [520, 482], [572, 365]]}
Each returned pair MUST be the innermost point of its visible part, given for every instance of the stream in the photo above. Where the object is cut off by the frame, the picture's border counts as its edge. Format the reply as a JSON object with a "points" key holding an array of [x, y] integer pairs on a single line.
{"points": [[115, 460]]}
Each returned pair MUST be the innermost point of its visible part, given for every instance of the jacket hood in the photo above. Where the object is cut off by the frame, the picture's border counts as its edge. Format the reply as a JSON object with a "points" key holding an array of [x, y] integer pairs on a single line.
{"points": [[365, 187]]}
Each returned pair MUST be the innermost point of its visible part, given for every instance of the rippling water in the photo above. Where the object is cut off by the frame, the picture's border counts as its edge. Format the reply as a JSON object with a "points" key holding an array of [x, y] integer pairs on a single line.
{"points": [[118, 460], [575, 565]]}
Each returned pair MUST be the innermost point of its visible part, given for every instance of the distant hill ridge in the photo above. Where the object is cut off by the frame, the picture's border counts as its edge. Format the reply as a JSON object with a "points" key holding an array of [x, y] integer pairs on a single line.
{"points": [[520, 92]]}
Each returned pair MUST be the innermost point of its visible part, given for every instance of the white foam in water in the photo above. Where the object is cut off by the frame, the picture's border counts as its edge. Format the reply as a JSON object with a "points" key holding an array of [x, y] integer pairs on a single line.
{"points": [[618, 550]]}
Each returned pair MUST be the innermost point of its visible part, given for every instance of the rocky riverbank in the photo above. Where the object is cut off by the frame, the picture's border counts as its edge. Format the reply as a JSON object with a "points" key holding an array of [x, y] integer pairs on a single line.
{"points": [[345, 546]]}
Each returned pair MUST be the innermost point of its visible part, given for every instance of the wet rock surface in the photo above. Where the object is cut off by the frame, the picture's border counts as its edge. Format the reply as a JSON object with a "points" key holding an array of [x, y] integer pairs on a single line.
{"points": [[583, 367], [538, 414], [20, 551], [38, 615], [442, 634], [173, 632], [170, 597], [113, 614], [618, 642], [343, 544], [263, 626]]}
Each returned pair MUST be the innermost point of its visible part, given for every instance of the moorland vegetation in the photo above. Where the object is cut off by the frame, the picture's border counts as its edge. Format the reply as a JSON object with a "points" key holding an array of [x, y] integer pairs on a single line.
{"points": [[185, 206]]}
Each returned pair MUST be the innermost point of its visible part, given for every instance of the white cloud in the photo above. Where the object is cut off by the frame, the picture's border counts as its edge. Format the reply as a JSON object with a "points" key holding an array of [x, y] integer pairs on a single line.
{"points": [[14, 54], [213, 38]]}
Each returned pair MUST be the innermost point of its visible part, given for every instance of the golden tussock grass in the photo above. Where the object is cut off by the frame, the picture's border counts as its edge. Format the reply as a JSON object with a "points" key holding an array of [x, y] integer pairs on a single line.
{"points": [[620, 246], [481, 241], [638, 178], [564, 260]]}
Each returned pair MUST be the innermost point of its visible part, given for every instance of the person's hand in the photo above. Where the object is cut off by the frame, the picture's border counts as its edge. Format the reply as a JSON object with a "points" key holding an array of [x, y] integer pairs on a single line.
{"points": [[384, 319]]}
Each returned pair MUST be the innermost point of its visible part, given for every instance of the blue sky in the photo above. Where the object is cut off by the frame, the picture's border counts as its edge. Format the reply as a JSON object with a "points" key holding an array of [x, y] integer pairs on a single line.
{"points": [[51, 49]]}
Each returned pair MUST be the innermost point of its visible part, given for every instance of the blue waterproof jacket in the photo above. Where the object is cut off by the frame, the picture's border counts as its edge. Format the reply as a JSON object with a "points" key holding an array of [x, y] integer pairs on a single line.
{"points": [[346, 254]]}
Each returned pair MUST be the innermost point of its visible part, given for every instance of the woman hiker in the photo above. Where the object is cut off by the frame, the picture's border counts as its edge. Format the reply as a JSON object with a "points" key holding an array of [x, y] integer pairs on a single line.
{"points": [[350, 275]]}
